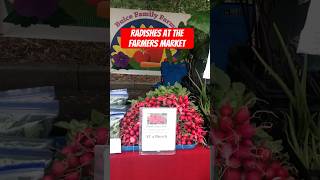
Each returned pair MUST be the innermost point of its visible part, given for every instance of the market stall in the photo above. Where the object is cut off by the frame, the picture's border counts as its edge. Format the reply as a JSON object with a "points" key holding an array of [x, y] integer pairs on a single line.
{"points": [[157, 167]]}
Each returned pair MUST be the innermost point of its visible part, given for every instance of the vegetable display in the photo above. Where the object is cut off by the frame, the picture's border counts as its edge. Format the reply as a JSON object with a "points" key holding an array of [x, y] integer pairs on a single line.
{"points": [[189, 123], [76, 159], [302, 124], [240, 152]]}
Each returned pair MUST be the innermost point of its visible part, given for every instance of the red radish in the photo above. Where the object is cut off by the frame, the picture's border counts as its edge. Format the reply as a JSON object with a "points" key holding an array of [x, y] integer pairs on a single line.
{"points": [[232, 174], [282, 172], [101, 136], [233, 162], [133, 140], [226, 110], [242, 116], [247, 142], [72, 176], [270, 173], [225, 123], [249, 164], [244, 152], [132, 132], [87, 170], [136, 127], [261, 166], [192, 120], [88, 131], [88, 143], [217, 136], [48, 177], [58, 168], [253, 175], [246, 131], [73, 162], [275, 165], [79, 137], [232, 138], [226, 151], [264, 154], [67, 150], [86, 158]]}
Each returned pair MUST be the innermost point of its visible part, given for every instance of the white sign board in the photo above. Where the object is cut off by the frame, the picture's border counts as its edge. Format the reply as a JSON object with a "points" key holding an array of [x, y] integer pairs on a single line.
{"points": [[310, 36], [127, 61], [158, 130], [206, 73]]}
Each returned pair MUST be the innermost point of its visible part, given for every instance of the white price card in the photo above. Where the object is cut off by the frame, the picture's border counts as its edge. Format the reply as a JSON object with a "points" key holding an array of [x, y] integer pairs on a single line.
{"points": [[115, 145], [310, 36], [206, 73], [158, 130]]}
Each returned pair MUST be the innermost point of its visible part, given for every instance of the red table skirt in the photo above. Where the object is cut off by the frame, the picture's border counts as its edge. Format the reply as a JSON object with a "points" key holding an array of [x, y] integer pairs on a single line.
{"points": [[185, 164]]}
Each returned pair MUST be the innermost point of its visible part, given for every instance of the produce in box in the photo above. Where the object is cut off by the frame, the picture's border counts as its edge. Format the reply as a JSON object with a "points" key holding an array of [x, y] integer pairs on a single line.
{"points": [[190, 124]]}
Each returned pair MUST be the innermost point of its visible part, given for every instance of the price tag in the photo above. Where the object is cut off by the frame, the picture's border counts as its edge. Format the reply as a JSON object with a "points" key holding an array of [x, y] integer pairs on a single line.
{"points": [[158, 130], [115, 145]]}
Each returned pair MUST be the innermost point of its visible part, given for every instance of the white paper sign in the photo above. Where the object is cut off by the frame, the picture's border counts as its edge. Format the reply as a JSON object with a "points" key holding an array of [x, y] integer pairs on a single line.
{"points": [[115, 145], [310, 36], [206, 74], [158, 129]]}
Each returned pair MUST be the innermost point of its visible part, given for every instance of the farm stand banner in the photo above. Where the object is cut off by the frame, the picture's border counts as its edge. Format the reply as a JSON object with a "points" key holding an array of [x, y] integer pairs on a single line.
{"points": [[84, 20], [127, 60]]}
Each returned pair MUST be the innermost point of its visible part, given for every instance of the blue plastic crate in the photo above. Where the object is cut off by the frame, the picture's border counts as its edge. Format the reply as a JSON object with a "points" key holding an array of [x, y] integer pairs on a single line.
{"points": [[172, 73], [178, 147]]}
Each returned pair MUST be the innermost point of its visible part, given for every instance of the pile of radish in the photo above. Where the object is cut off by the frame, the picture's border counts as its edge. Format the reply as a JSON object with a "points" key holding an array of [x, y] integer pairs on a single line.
{"points": [[237, 154], [189, 123], [77, 158]]}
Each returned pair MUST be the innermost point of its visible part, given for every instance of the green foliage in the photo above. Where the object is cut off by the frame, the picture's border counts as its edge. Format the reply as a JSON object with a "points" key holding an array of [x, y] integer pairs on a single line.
{"points": [[169, 56], [97, 119], [264, 138], [186, 6], [201, 21], [203, 98], [177, 89], [233, 92], [302, 131]]}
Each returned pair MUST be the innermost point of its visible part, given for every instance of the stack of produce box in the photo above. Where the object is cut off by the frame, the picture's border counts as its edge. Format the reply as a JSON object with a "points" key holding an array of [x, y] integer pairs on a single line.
{"points": [[26, 118], [118, 108]]}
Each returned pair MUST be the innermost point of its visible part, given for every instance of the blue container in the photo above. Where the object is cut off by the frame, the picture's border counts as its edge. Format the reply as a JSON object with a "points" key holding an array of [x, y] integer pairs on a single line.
{"points": [[178, 147], [172, 73], [229, 28]]}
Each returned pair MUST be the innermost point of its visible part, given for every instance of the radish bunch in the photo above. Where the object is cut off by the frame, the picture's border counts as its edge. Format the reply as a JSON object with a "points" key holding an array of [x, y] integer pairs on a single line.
{"points": [[78, 156], [189, 123], [237, 153]]}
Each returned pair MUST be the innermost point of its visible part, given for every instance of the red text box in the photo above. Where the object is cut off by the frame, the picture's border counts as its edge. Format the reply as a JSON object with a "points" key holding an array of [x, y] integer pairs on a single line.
{"points": [[178, 38]]}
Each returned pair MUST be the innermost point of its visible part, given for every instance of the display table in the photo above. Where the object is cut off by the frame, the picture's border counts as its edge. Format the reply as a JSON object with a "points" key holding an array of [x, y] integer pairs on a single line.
{"points": [[185, 164]]}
